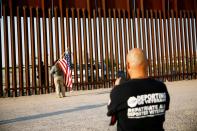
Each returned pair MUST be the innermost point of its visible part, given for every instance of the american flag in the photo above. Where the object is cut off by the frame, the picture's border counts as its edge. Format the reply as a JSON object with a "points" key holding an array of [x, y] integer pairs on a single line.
{"points": [[66, 68]]}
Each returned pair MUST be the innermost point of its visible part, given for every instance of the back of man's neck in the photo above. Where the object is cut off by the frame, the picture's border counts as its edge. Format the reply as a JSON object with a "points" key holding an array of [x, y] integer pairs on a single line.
{"points": [[139, 76]]}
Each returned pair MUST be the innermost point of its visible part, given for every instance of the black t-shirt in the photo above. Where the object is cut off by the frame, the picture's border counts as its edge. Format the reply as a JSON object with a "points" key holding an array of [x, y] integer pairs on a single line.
{"points": [[139, 104]]}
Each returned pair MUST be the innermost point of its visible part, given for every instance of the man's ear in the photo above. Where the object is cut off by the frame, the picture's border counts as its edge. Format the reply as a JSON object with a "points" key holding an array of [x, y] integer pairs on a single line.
{"points": [[128, 67]]}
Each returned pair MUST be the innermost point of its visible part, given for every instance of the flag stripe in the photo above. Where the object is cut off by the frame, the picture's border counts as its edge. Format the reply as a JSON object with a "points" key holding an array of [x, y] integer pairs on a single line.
{"points": [[65, 66]]}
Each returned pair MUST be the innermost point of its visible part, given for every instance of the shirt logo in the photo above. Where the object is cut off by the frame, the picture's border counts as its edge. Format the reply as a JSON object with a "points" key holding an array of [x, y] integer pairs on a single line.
{"points": [[155, 105], [132, 102]]}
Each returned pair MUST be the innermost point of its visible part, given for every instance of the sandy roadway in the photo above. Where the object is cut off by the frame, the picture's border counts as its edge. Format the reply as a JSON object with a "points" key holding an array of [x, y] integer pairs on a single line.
{"points": [[86, 110]]}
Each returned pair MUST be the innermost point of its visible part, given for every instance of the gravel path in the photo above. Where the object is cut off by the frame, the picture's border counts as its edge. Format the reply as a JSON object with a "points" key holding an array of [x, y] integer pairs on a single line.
{"points": [[86, 111]]}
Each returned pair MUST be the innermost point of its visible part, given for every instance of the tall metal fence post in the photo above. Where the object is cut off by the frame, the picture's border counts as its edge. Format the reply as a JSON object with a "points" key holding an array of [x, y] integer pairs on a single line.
{"points": [[158, 50], [26, 46], [153, 59], [51, 46], [85, 47], [13, 51], [45, 72], [190, 45], [39, 53], [6, 53], [1, 69], [74, 48], [194, 44], [90, 41], [20, 53], [33, 67], [105, 42], [111, 45], [95, 44], [174, 47], [116, 42], [80, 47], [178, 45], [161, 45], [182, 47]]}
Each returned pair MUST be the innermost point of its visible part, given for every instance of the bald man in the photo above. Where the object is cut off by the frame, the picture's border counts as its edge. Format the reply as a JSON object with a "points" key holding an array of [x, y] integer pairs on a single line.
{"points": [[140, 103]]}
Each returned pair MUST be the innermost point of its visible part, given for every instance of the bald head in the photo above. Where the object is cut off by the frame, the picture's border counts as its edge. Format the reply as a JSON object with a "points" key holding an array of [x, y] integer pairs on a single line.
{"points": [[136, 62], [136, 57]]}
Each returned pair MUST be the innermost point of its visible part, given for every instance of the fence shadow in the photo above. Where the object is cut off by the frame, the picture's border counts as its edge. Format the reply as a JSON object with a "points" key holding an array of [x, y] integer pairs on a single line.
{"points": [[38, 116]]}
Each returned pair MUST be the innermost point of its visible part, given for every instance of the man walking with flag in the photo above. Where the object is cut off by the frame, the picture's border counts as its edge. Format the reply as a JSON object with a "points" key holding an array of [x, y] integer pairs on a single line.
{"points": [[66, 68], [62, 74], [58, 79]]}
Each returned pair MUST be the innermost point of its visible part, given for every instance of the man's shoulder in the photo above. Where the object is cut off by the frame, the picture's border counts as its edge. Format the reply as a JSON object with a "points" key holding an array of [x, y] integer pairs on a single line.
{"points": [[159, 82], [153, 81], [133, 84], [123, 87]]}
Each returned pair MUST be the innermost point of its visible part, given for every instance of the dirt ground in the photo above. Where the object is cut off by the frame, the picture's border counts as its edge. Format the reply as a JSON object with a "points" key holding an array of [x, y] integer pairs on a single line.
{"points": [[86, 110]]}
